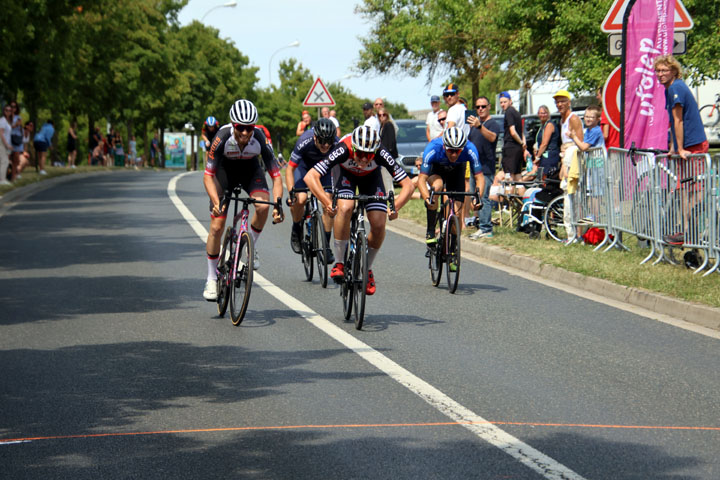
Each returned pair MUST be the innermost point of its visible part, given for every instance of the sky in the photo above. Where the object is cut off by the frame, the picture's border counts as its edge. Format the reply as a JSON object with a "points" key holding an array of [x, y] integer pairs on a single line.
{"points": [[328, 32]]}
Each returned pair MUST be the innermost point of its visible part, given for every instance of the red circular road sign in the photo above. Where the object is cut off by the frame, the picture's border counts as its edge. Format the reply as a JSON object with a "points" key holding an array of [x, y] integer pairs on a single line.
{"points": [[611, 97]]}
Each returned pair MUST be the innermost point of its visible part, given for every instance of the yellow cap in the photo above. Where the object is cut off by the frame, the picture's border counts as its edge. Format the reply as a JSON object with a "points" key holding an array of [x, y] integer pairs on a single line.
{"points": [[562, 93]]}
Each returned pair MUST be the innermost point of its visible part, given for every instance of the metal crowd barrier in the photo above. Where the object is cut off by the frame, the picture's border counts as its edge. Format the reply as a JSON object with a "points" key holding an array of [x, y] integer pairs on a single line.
{"points": [[651, 196]]}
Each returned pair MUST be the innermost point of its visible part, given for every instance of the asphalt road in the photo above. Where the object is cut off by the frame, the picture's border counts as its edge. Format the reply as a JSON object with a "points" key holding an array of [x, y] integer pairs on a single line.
{"points": [[113, 366]]}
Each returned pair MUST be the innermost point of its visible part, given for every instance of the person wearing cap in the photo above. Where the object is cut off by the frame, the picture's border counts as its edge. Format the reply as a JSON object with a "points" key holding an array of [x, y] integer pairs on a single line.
{"points": [[433, 128], [513, 152], [370, 119], [456, 110], [570, 125]]}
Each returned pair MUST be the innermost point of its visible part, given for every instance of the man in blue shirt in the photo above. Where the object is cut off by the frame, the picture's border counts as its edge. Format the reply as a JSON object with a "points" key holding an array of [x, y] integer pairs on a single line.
{"points": [[444, 162], [484, 135], [42, 142]]}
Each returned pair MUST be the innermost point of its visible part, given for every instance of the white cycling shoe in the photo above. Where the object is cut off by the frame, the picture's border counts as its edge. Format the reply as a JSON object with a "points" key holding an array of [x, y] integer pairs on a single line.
{"points": [[210, 292]]}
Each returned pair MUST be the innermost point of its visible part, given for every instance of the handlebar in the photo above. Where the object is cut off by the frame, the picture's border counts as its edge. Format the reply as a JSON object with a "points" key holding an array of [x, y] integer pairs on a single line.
{"points": [[235, 195], [475, 195], [390, 198]]}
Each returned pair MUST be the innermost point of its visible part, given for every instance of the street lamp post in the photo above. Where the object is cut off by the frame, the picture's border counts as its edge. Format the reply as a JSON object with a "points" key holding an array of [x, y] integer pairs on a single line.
{"points": [[293, 44], [231, 4]]}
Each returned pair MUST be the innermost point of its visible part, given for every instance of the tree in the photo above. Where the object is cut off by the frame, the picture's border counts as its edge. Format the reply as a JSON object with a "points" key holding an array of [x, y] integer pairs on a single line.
{"points": [[439, 36]]}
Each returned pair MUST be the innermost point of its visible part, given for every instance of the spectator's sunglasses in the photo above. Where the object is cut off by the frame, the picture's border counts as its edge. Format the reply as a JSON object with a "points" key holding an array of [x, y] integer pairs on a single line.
{"points": [[442, 119], [243, 128]]}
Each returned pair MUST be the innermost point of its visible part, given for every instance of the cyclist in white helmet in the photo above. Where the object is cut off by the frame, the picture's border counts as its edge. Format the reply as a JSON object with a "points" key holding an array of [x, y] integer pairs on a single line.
{"points": [[359, 155], [444, 162], [233, 160]]}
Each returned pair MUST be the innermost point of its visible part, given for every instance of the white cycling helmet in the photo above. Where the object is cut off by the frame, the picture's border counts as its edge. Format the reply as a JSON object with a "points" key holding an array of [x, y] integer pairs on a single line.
{"points": [[243, 112], [454, 137], [365, 139]]}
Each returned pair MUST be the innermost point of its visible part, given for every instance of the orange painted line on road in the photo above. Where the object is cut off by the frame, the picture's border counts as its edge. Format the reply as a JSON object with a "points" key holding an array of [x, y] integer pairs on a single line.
{"points": [[355, 425]]}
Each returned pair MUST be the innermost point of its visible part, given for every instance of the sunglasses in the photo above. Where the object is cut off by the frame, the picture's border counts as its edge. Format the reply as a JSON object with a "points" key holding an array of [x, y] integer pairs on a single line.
{"points": [[382, 114], [482, 106], [324, 141], [442, 119], [243, 128], [449, 94], [453, 150], [361, 154]]}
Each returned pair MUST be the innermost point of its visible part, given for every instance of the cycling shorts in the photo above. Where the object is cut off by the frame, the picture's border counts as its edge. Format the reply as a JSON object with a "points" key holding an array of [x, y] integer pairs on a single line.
{"points": [[250, 175], [453, 177], [370, 184]]}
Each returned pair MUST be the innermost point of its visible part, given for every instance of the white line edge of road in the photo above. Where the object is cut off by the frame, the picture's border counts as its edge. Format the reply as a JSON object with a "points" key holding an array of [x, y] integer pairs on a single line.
{"points": [[525, 454]]}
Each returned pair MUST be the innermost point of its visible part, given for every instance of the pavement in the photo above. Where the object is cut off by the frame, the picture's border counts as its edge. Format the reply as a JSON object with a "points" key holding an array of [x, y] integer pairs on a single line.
{"points": [[694, 313], [697, 314]]}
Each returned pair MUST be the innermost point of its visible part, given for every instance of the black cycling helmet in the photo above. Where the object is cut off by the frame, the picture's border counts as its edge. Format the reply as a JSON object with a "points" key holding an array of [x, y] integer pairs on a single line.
{"points": [[325, 131]]}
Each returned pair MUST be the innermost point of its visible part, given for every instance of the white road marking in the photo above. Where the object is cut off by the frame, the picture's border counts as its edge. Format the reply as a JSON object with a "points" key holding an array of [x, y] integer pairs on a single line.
{"points": [[482, 428]]}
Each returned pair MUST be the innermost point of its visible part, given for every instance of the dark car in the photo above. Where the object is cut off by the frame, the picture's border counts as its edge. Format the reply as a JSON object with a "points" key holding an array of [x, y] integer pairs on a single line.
{"points": [[411, 141]]}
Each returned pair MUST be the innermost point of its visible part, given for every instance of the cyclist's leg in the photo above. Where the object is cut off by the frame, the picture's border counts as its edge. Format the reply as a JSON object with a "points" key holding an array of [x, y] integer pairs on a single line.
{"points": [[436, 183], [345, 186], [255, 184], [212, 245], [377, 218], [455, 182]]}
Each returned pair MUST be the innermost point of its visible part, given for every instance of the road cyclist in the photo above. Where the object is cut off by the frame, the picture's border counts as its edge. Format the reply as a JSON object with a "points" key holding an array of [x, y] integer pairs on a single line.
{"points": [[209, 129], [442, 170], [360, 157], [234, 159], [312, 147]]}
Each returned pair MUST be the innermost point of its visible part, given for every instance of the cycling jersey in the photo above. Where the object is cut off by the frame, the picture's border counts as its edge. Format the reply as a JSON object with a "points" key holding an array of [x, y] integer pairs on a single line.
{"points": [[343, 154], [305, 156], [225, 149], [210, 132], [434, 155]]}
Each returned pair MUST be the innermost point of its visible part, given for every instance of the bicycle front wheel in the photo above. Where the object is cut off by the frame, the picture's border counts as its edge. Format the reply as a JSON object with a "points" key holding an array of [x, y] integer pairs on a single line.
{"points": [[348, 285], [307, 241], [553, 220], [320, 247], [360, 279], [223, 271], [241, 283], [452, 252], [709, 115], [436, 256]]}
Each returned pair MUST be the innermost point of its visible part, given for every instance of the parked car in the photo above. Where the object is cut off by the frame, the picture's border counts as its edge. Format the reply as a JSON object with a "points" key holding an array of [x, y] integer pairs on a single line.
{"points": [[411, 141]]}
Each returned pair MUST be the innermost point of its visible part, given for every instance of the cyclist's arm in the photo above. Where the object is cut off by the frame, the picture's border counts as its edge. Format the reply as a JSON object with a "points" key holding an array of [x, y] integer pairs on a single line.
{"points": [[277, 191], [427, 160], [290, 177], [312, 180], [406, 192]]}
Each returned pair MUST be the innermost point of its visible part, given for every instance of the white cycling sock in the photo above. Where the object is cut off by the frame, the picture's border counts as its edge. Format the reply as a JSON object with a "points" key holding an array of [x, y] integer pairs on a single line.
{"points": [[254, 234], [340, 247], [212, 267]]}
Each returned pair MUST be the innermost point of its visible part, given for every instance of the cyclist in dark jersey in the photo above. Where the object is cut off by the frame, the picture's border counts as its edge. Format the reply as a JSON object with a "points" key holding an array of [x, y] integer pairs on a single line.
{"points": [[359, 155], [311, 148], [233, 160], [209, 130]]}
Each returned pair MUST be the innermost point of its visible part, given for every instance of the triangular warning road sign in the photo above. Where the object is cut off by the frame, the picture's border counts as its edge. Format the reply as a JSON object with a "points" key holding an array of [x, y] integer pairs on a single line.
{"points": [[318, 96], [614, 18]]}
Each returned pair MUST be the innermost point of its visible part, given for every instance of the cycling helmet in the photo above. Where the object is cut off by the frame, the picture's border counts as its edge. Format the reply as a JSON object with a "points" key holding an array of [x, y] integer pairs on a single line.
{"points": [[454, 137], [243, 112], [325, 130], [211, 121], [365, 139]]}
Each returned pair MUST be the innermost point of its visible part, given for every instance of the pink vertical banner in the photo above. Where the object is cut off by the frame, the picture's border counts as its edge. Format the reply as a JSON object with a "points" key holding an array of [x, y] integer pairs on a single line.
{"points": [[650, 32]]}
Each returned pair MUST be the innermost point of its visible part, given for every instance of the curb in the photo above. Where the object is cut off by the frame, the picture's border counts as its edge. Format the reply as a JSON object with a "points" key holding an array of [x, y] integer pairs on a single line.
{"points": [[702, 315]]}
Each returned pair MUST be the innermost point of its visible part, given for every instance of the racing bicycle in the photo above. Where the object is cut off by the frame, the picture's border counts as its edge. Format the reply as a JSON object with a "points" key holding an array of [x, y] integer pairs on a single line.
{"points": [[354, 283], [313, 242], [446, 249], [237, 254]]}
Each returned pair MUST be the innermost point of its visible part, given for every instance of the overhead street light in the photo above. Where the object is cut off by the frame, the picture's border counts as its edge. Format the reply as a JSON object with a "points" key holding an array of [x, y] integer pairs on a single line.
{"points": [[231, 4], [296, 43]]}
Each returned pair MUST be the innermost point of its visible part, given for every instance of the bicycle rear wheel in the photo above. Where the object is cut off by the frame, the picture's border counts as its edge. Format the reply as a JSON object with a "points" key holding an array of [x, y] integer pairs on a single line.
{"points": [[242, 283], [348, 285], [320, 247], [360, 279], [307, 240], [710, 115], [223, 269], [452, 252], [553, 219]]}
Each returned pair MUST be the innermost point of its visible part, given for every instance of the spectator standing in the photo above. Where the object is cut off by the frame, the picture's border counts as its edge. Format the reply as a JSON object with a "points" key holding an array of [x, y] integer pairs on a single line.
{"points": [[42, 143], [433, 128], [370, 119], [72, 144], [154, 149], [377, 105], [16, 139], [687, 134], [513, 142], [593, 136], [5, 143], [547, 142], [135, 159], [303, 124], [388, 140], [333, 118], [118, 150], [456, 110], [484, 134], [686, 127], [570, 126], [25, 156]]}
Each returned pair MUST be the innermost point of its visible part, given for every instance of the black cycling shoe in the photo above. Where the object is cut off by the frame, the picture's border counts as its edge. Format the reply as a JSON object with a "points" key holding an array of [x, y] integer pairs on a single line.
{"points": [[329, 257], [295, 240]]}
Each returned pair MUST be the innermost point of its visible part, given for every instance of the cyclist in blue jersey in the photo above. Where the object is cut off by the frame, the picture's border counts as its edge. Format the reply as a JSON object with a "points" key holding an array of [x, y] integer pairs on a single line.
{"points": [[311, 148], [444, 162]]}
